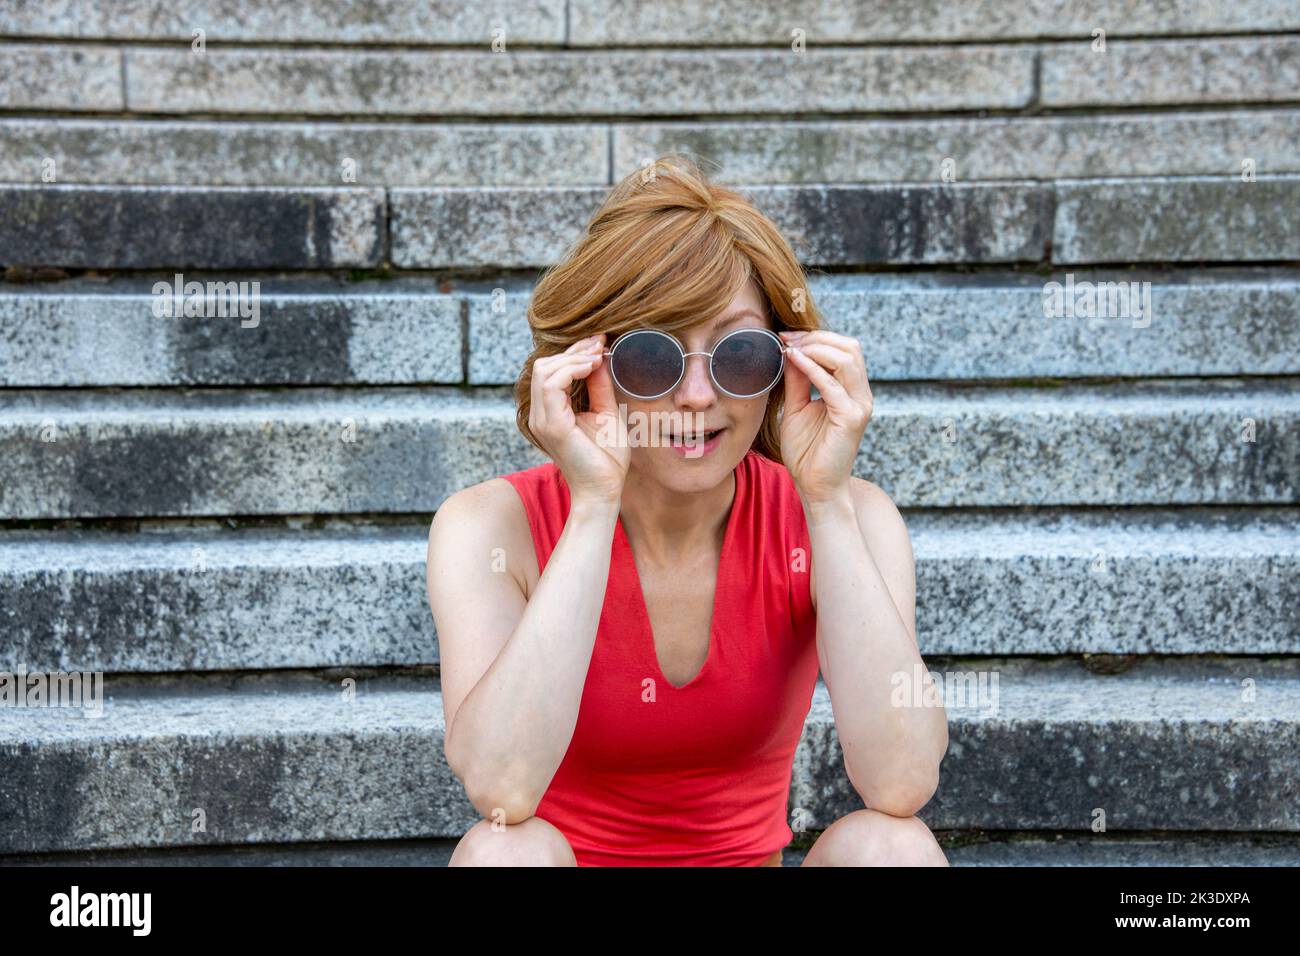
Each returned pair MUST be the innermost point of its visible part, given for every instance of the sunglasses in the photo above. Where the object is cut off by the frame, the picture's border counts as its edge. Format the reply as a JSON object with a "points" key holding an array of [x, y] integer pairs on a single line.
{"points": [[647, 363]]}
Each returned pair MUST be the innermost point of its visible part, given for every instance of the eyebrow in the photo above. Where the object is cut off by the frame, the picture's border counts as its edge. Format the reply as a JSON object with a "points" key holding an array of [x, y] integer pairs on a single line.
{"points": [[732, 319]]}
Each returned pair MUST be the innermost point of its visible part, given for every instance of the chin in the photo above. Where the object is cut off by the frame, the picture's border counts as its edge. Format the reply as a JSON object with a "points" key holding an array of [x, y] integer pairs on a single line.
{"points": [[689, 474]]}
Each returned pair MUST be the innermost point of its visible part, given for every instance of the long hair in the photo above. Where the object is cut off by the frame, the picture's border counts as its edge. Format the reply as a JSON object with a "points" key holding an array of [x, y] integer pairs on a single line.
{"points": [[667, 250]]}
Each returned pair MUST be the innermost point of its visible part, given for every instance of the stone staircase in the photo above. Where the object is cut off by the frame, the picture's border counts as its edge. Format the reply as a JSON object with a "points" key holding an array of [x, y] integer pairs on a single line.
{"points": [[227, 516]]}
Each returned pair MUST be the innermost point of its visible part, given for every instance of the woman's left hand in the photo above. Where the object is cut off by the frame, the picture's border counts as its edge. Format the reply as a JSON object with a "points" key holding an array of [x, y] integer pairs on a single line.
{"points": [[820, 439]]}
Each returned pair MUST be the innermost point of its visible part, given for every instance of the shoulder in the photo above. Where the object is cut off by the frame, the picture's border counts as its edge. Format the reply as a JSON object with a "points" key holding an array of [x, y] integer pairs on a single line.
{"points": [[482, 517], [499, 501], [872, 501], [489, 496], [875, 509], [881, 522]]}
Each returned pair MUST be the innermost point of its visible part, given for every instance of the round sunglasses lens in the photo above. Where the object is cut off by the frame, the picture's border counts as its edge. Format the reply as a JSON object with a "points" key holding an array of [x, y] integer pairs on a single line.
{"points": [[747, 362], [646, 363]]}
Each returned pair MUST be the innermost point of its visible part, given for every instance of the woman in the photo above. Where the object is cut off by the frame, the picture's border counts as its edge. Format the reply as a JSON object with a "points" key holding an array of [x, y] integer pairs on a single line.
{"points": [[631, 633]]}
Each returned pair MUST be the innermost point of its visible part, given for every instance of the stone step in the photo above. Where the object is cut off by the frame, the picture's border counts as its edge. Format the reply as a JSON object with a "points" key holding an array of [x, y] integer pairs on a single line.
{"points": [[237, 153], [59, 77], [71, 453], [202, 599], [1072, 221], [1182, 220], [683, 22], [649, 81], [573, 83], [1171, 72], [1220, 219], [925, 150], [826, 224], [276, 332], [1156, 849], [1140, 581], [342, 21], [267, 153], [411, 330], [934, 326], [983, 848], [1171, 745], [141, 227], [617, 23]]}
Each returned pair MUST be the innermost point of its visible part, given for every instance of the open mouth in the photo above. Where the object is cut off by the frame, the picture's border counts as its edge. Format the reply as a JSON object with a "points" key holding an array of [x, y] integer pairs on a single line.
{"points": [[695, 438]]}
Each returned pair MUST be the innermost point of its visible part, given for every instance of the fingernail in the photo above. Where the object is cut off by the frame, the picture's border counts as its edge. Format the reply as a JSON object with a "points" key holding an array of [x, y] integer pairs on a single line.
{"points": [[793, 336]]}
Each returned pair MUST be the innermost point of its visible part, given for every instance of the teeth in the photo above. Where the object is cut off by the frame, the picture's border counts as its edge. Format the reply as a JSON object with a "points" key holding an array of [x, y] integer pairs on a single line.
{"points": [[695, 437]]}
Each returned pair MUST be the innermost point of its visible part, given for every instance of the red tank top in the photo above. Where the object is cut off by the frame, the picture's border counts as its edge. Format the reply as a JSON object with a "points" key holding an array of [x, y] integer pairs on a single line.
{"points": [[699, 775]]}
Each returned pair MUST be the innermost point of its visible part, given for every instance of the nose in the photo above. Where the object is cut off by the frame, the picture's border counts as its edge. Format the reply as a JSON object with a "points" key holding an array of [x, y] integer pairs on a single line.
{"points": [[696, 389]]}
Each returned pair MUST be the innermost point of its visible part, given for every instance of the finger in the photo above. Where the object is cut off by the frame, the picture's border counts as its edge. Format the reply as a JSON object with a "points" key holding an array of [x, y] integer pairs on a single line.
{"points": [[830, 389], [555, 390], [798, 387], [835, 361], [600, 388], [825, 336], [586, 345], [544, 366], [847, 367], [577, 366], [543, 369]]}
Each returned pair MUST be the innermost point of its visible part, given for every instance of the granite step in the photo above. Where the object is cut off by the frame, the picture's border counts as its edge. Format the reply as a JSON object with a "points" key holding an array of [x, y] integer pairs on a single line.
{"points": [[1202, 219], [983, 848], [222, 451], [205, 598], [414, 331], [492, 78], [196, 452], [617, 23], [761, 152], [1172, 744]]}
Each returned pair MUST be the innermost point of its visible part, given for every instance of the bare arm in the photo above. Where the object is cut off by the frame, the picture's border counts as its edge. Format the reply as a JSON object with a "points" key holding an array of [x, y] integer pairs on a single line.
{"points": [[513, 669], [864, 586], [865, 594]]}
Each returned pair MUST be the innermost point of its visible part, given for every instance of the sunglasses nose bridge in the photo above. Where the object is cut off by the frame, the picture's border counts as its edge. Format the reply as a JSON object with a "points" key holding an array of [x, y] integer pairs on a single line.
{"points": [[708, 369]]}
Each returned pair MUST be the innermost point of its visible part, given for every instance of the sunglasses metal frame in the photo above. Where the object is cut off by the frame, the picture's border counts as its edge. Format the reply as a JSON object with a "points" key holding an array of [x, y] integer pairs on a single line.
{"points": [[685, 354]]}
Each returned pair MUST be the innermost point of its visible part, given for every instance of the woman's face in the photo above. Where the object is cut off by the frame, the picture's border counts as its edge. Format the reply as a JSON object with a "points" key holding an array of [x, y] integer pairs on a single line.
{"points": [[698, 405]]}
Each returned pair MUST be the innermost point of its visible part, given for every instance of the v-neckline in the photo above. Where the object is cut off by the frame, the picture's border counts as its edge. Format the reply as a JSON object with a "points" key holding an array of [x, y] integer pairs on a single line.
{"points": [[639, 595]]}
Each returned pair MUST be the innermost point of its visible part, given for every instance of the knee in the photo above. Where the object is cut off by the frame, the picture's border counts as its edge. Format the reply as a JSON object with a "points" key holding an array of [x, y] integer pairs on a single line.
{"points": [[872, 838], [531, 842]]}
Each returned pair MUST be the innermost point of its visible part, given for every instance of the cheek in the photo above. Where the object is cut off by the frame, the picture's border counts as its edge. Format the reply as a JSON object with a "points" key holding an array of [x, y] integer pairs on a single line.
{"points": [[754, 410], [636, 411], [747, 415]]}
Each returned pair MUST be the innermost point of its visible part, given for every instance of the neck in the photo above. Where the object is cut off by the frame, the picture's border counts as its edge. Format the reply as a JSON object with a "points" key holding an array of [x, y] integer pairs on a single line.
{"points": [[668, 526]]}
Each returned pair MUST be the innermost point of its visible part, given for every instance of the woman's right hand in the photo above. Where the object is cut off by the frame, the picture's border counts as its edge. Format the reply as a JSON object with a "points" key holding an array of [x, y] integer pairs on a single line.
{"points": [[590, 448]]}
